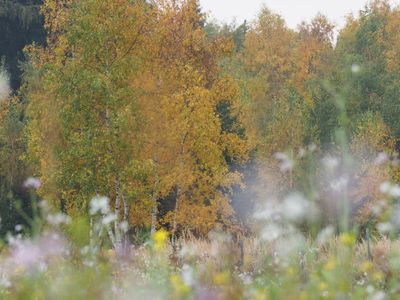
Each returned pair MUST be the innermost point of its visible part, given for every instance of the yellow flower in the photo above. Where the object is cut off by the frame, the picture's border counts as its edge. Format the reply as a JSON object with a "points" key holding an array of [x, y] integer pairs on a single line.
{"points": [[323, 286], [180, 287], [347, 239], [111, 254], [160, 238], [19, 270], [303, 296], [378, 276], [291, 271], [330, 265], [366, 266], [259, 295], [221, 278]]}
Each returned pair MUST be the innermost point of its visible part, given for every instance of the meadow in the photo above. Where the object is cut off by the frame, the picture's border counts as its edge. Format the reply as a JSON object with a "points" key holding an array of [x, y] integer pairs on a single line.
{"points": [[148, 152]]}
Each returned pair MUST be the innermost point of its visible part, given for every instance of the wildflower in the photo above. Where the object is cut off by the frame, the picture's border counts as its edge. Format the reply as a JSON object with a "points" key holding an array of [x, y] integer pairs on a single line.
{"points": [[381, 159], [19, 270], [378, 276], [246, 278], [295, 207], [291, 242], [124, 226], [323, 286], [58, 219], [395, 219], [271, 232], [4, 281], [111, 254], [160, 238], [385, 187], [384, 228], [291, 271], [303, 296], [267, 213], [108, 219], [32, 183], [355, 68], [347, 239], [187, 275], [312, 147], [302, 152], [366, 267], [99, 204], [379, 295], [286, 163], [221, 278], [339, 184], [378, 207], [180, 288], [330, 265], [392, 190], [5, 89], [325, 234], [395, 191], [330, 163]]}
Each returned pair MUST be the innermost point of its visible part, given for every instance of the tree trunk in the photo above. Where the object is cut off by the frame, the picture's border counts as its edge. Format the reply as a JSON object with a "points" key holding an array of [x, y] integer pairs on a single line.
{"points": [[126, 222], [175, 222], [117, 231], [154, 212]]}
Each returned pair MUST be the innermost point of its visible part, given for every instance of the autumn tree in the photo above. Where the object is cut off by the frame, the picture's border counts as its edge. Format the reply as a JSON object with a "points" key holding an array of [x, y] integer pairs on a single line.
{"points": [[128, 104], [82, 131], [186, 136]]}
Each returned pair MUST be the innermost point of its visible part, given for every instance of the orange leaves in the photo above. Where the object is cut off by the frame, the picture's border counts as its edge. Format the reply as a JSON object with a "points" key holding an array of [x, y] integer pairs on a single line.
{"points": [[138, 89], [181, 101]]}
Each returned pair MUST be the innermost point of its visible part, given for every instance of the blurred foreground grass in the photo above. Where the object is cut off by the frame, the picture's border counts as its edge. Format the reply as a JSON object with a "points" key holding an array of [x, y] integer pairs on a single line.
{"points": [[50, 266]]}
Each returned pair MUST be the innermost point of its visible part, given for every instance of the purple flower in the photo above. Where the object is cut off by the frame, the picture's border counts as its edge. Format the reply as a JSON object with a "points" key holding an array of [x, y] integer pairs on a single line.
{"points": [[32, 183], [29, 254]]}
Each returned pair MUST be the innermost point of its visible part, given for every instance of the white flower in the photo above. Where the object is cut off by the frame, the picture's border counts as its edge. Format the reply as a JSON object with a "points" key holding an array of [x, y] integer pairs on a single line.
{"points": [[109, 219], [267, 213], [4, 281], [312, 147], [330, 163], [385, 187], [378, 207], [189, 250], [295, 207], [379, 295], [370, 289], [124, 226], [291, 242], [395, 219], [286, 163], [5, 89], [99, 205], [302, 152], [34, 253], [187, 275], [381, 159], [395, 191], [355, 68], [325, 234], [384, 228], [58, 219], [339, 184], [392, 190], [32, 183], [271, 232], [246, 278]]}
